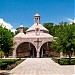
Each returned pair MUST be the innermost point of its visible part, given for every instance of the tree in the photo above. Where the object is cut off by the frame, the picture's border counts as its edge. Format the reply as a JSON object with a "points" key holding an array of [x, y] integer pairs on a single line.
{"points": [[24, 30], [65, 41], [52, 28], [49, 26], [6, 40]]}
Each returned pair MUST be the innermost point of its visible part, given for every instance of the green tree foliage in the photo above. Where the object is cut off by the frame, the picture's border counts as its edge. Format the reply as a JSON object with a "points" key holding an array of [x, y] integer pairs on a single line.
{"points": [[1, 54], [52, 28], [65, 41], [49, 26], [6, 40], [18, 30]]}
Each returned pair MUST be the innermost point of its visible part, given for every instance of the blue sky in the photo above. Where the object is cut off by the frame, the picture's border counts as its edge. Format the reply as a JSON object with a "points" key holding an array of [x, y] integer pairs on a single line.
{"points": [[16, 12]]}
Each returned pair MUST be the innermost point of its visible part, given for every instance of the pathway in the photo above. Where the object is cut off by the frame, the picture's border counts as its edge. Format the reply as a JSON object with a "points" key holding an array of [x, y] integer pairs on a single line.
{"points": [[41, 66]]}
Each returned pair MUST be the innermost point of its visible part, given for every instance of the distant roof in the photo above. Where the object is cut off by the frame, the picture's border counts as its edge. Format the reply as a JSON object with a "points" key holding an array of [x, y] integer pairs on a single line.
{"points": [[33, 27]]}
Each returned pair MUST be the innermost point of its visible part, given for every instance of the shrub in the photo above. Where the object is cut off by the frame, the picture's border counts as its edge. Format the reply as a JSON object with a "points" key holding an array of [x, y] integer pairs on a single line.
{"points": [[1, 54], [64, 61], [61, 62], [5, 62], [9, 67], [9, 61], [3, 66], [72, 61], [8, 64]]}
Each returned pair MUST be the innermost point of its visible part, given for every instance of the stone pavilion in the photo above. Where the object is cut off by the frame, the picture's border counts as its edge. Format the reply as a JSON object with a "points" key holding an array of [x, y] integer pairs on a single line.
{"points": [[35, 43]]}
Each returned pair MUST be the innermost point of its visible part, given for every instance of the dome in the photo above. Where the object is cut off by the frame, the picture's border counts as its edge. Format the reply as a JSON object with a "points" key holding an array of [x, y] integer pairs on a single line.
{"points": [[36, 14], [22, 35], [21, 25]]}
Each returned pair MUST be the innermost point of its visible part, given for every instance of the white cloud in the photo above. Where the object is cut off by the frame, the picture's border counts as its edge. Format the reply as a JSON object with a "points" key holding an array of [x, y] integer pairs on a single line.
{"points": [[7, 25], [71, 20], [74, 20], [13, 30]]}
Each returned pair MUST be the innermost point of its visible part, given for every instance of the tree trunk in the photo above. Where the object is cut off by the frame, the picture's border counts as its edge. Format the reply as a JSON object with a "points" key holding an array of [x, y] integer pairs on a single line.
{"points": [[69, 57]]}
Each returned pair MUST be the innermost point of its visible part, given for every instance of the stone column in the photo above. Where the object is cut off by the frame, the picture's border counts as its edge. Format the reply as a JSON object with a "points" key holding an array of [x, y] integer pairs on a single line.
{"points": [[38, 55], [33, 52], [42, 53], [61, 55], [14, 53], [39, 20]]}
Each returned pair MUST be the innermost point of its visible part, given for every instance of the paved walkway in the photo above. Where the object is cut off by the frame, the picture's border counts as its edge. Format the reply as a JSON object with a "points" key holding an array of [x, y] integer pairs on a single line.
{"points": [[41, 66]]}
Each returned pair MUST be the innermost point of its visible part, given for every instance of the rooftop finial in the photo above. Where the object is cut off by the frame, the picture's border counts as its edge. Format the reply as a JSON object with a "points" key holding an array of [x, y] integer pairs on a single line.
{"points": [[36, 11], [21, 23]]}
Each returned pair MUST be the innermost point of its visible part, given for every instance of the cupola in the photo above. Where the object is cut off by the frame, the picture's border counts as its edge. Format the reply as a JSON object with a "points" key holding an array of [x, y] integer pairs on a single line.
{"points": [[21, 28], [37, 18]]}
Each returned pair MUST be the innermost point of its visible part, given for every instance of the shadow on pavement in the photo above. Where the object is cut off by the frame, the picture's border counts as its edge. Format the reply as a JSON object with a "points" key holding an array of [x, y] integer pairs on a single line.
{"points": [[4, 73]]}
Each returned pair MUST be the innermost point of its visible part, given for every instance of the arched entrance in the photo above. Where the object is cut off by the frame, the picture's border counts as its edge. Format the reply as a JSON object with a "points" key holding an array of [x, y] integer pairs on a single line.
{"points": [[26, 49], [45, 50]]}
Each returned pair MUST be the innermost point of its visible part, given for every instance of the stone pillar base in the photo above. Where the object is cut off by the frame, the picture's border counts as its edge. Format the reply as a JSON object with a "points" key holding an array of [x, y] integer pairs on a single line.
{"points": [[38, 55], [14, 53]]}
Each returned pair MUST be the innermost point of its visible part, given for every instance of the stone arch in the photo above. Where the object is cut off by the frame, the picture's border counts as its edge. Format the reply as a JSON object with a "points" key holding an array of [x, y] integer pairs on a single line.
{"points": [[45, 49], [25, 49], [18, 41], [44, 41]]}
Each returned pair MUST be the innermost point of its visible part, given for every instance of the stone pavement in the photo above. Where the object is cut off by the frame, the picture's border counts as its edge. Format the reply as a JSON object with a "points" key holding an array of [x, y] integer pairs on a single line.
{"points": [[41, 66]]}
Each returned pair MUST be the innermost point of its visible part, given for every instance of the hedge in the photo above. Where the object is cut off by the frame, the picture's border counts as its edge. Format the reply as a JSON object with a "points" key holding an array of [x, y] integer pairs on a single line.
{"points": [[5, 62], [3, 66], [64, 61], [9, 61], [8, 64]]}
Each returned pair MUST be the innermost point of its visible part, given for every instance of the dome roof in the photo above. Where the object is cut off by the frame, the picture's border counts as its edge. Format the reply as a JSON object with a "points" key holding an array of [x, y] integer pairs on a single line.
{"points": [[33, 27], [22, 35], [36, 14], [21, 25]]}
